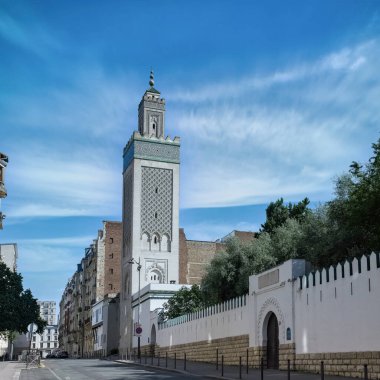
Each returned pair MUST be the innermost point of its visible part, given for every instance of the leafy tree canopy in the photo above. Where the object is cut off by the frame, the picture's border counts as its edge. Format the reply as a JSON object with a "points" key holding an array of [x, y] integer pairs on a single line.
{"points": [[18, 308], [278, 213], [183, 302]]}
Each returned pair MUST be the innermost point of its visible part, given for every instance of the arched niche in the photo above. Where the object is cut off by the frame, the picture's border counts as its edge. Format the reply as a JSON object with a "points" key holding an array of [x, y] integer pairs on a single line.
{"points": [[165, 243], [145, 242], [155, 242]]}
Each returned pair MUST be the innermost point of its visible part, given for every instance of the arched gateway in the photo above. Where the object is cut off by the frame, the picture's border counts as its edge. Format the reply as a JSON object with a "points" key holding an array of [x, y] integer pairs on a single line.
{"points": [[272, 342]]}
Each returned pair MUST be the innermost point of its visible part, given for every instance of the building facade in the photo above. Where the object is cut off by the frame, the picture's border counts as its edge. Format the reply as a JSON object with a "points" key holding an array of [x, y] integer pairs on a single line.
{"points": [[97, 278], [3, 190], [48, 311]]}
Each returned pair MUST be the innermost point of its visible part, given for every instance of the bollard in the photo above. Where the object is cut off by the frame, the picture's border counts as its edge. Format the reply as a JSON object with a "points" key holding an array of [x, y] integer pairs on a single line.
{"points": [[262, 368], [166, 360], [288, 369], [151, 358], [322, 371], [175, 360], [239, 367], [222, 365], [158, 362], [140, 359], [145, 356], [247, 360], [217, 358], [184, 362], [365, 372]]}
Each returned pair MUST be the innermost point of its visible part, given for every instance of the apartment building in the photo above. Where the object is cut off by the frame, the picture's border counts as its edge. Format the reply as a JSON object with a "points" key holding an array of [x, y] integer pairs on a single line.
{"points": [[97, 277]]}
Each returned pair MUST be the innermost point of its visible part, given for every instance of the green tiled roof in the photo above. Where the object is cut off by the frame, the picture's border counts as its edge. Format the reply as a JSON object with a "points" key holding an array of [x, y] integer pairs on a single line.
{"points": [[152, 89]]}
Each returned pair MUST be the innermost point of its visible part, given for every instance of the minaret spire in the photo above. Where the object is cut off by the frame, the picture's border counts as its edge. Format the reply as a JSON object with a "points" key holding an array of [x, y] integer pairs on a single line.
{"points": [[151, 80]]}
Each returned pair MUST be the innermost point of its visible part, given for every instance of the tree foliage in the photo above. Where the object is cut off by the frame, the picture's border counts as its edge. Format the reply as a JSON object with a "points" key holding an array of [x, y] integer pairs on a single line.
{"points": [[18, 308], [183, 302], [277, 213]]}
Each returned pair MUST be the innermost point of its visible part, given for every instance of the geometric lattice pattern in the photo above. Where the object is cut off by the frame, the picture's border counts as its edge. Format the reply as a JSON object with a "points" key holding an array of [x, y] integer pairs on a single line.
{"points": [[156, 201]]}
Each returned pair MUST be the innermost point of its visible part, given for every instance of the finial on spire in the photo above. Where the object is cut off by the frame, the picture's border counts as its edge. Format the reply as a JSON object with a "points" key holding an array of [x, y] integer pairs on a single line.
{"points": [[151, 81]]}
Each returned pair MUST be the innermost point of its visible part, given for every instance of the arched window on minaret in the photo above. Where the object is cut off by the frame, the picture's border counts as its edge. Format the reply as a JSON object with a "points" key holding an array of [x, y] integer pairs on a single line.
{"points": [[155, 242]]}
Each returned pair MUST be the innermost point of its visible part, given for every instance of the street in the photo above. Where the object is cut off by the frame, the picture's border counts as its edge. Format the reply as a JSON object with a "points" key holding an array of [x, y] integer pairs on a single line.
{"points": [[84, 369]]}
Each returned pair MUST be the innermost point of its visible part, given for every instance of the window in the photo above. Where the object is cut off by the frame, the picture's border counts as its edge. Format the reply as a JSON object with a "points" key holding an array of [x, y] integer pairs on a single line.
{"points": [[155, 240], [111, 240], [111, 270], [154, 126], [33, 345], [111, 256], [110, 286], [155, 215], [156, 190]]}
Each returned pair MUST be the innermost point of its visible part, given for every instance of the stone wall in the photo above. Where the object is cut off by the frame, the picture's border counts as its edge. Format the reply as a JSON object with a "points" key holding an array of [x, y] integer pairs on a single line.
{"points": [[205, 351], [199, 255], [349, 364]]}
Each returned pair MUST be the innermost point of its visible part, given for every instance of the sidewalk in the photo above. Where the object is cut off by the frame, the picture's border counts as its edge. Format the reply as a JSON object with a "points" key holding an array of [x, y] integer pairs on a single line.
{"points": [[229, 372], [10, 370]]}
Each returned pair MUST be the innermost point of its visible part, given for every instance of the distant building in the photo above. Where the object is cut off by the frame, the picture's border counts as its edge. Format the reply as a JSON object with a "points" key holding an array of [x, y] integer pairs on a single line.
{"points": [[3, 190], [46, 342], [48, 311], [8, 255]]}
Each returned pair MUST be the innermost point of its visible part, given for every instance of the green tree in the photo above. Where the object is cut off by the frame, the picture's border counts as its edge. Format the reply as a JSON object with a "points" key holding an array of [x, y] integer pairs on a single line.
{"points": [[223, 279], [277, 213], [355, 211], [183, 302], [18, 308]]}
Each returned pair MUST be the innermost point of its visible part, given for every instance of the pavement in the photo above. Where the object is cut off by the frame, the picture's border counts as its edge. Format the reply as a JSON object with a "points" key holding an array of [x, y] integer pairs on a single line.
{"points": [[209, 370], [10, 370]]}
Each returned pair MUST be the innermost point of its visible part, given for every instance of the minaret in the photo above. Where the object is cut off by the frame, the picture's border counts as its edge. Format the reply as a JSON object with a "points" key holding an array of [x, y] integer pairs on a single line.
{"points": [[150, 207], [152, 112]]}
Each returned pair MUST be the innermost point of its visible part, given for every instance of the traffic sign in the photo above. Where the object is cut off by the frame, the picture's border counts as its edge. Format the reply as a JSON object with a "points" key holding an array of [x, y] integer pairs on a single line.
{"points": [[138, 329]]}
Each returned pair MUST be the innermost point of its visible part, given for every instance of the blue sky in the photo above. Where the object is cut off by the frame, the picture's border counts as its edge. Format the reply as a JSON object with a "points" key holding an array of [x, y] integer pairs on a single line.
{"points": [[271, 99]]}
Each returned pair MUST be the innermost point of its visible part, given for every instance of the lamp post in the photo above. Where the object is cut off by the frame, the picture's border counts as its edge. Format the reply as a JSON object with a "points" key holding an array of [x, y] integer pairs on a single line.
{"points": [[133, 261]]}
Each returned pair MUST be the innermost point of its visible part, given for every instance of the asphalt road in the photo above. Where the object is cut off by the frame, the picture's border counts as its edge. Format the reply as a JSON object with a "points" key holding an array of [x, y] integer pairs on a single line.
{"points": [[85, 369]]}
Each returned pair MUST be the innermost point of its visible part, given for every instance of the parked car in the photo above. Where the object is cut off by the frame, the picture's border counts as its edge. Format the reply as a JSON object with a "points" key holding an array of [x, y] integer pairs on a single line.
{"points": [[62, 355]]}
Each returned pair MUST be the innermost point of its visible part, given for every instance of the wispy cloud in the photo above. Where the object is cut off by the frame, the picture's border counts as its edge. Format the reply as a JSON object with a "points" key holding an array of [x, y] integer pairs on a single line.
{"points": [[342, 61], [285, 135], [33, 38]]}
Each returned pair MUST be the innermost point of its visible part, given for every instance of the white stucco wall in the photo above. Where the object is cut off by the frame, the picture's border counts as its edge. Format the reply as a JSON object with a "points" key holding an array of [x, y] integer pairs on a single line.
{"points": [[220, 321], [153, 296], [331, 318]]}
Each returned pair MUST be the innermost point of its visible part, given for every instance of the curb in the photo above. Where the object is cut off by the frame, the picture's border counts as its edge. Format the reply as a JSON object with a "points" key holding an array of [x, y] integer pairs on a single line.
{"points": [[126, 362]]}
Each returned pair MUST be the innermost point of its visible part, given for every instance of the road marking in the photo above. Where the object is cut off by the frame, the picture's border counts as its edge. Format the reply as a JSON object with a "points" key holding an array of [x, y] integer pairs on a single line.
{"points": [[16, 375], [54, 374]]}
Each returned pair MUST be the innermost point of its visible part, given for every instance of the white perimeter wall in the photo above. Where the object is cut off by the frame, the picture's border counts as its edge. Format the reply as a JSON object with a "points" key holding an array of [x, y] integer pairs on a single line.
{"points": [[344, 322], [220, 321]]}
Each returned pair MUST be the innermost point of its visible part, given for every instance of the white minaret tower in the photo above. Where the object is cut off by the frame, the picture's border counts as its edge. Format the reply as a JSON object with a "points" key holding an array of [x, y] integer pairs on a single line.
{"points": [[150, 207]]}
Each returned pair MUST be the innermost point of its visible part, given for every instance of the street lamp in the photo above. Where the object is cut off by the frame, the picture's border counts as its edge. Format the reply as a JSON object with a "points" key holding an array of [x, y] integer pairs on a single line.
{"points": [[133, 261]]}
